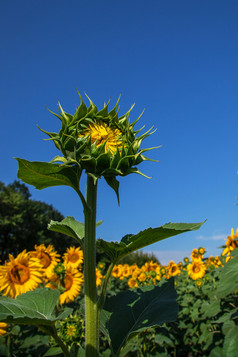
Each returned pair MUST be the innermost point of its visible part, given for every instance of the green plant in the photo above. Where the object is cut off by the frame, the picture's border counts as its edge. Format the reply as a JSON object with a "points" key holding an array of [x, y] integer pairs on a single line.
{"points": [[103, 145]]}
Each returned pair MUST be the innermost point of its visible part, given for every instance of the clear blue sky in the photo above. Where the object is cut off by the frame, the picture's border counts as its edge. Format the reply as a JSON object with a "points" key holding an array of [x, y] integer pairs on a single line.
{"points": [[177, 59]]}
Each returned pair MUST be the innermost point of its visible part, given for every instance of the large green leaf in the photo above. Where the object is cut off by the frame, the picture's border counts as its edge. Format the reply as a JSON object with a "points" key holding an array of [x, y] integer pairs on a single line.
{"points": [[71, 227], [33, 308], [130, 312], [130, 243], [43, 174], [228, 281]]}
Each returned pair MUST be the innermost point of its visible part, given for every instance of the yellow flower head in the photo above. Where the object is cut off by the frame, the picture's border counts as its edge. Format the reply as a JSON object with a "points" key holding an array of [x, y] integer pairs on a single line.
{"points": [[173, 269], [72, 284], [132, 283], [47, 256], [99, 277], [3, 327], [196, 269], [102, 134], [73, 257], [195, 255], [20, 274], [71, 331], [231, 242]]}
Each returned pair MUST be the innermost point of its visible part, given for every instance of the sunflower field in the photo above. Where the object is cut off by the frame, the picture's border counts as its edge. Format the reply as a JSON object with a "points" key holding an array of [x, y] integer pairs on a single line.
{"points": [[207, 297]]}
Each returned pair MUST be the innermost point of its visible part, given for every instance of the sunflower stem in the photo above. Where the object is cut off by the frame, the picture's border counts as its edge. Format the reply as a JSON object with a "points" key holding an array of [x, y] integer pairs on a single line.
{"points": [[91, 308]]}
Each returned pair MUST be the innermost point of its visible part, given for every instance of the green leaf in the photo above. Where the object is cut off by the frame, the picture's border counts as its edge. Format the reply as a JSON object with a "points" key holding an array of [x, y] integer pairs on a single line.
{"points": [[32, 308], [130, 243], [230, 346], [43, 174], [71, 227], [228, 281], [130, 312], [53, 351]]}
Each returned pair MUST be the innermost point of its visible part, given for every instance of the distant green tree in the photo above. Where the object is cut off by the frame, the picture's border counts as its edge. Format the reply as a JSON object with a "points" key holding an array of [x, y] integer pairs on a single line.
{"points": [[140, 258], [23, 222]]}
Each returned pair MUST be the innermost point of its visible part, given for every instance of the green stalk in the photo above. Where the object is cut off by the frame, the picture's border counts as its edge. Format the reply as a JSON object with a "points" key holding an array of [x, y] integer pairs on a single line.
{"points": [[91, 309]]}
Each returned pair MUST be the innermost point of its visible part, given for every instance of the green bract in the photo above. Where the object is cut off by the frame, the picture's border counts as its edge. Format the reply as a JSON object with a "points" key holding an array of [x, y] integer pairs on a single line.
{"points": [[99, 142]]}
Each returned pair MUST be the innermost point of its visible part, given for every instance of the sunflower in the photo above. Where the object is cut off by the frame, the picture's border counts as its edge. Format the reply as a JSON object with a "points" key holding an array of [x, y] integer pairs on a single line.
{"points": [[195, 255], [173, 269], [20, 274], [132, 283], [196, 270], [71, 331], [117, 271], [47, 256], [102, 134], [3, 327], [73, 257], [231, 242], [72, 284], [99, 277]]}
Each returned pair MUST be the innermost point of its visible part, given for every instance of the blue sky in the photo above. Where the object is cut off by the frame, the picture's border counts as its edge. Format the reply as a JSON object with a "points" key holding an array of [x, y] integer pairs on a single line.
{"points": [[176, 59]]}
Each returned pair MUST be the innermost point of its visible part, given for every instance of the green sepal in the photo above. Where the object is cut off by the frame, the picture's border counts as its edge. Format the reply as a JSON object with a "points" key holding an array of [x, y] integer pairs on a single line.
{"points": [[130, 312], [114, 184], [129, 244], [42, 174]]}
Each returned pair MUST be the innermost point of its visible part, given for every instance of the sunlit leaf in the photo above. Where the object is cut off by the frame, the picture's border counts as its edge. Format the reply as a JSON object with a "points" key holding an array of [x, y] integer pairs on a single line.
{"points": [[43, 174], [131, 243], [35, 307]]}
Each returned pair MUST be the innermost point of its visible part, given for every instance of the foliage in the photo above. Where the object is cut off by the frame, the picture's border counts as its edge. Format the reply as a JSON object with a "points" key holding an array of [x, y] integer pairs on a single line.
{"points": [[207, 321], [139, 258], [23, 221]]}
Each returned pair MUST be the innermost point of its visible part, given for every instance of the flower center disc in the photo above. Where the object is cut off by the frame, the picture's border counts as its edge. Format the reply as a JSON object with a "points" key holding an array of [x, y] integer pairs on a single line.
{"points": [[19, 274], [196, 269], [73, 257], [44, 259], [68, 282]]}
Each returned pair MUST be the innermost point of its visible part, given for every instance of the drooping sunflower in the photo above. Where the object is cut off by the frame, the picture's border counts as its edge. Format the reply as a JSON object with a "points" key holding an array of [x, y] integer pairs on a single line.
{"points": [[20, 274], [73, 257], [196, 269], [47, 256]]}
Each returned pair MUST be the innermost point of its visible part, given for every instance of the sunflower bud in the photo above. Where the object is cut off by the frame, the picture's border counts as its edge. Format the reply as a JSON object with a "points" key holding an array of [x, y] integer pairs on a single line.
{"points": [[99, 142]]}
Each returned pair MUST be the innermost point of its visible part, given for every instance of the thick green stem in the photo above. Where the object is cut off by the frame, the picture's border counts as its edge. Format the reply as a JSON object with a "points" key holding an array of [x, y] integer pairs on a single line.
{"points": [[91, 309]]}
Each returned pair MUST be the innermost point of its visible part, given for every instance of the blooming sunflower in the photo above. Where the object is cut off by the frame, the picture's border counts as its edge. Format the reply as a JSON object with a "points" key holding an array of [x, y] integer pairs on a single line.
{"points": [[47, 256], [3, 327], [132, 283], [73, 257], [72, 283], [195, 255], [231, 243], [173, 269], [20, 274], [99, 277], [196, 270]]}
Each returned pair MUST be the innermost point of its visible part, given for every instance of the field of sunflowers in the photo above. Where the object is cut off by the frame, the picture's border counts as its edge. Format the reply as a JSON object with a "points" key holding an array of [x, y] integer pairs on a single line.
{"points": [[207, 296]]}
